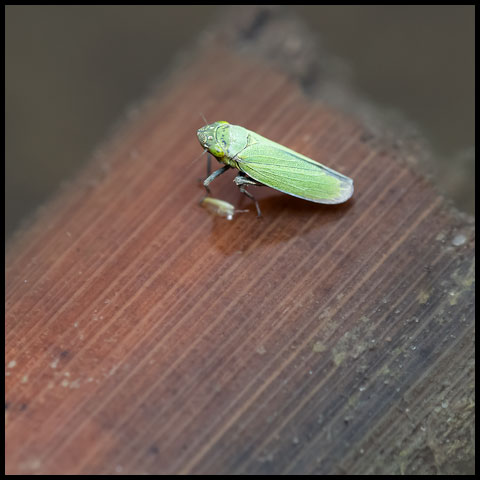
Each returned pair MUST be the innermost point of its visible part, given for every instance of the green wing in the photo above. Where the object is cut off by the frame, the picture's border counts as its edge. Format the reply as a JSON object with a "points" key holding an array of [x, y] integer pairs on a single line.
{"points": [[293, 173]]}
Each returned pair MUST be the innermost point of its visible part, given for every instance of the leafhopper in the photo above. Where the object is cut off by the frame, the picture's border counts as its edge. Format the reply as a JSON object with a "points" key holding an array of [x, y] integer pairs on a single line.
{"points": [[261, 161]]}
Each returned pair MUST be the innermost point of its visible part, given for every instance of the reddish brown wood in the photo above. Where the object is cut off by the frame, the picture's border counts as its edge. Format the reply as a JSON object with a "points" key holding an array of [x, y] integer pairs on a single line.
{"points": [[144, 335]]}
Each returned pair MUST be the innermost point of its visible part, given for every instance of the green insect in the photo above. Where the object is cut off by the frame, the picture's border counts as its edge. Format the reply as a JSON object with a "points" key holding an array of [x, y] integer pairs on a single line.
{"points": [[263, 162]]}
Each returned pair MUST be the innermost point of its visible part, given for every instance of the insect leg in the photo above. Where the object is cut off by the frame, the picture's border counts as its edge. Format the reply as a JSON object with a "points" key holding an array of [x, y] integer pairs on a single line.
{"points": [[213, 176], [242, 180], [209, 165]]}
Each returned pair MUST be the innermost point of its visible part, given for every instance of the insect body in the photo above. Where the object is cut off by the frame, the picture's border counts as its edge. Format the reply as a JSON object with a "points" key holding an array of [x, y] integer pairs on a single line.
{"points": [[264, 162]]}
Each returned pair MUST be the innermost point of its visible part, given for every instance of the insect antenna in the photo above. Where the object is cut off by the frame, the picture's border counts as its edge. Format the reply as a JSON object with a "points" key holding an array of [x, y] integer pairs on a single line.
{"points": [[200, 156], [204, 119]]}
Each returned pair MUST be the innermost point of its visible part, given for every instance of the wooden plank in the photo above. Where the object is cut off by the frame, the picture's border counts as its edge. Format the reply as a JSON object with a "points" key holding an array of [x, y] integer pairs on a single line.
{"points": [[144, 335]]}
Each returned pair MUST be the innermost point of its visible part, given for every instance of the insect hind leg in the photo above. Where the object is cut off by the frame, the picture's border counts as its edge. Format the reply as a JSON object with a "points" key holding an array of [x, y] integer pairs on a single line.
{"points": [[242, 180]]}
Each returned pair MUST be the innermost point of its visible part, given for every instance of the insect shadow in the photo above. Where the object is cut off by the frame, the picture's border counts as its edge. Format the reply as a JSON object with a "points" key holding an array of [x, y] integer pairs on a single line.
{"points": [[284, 217]]}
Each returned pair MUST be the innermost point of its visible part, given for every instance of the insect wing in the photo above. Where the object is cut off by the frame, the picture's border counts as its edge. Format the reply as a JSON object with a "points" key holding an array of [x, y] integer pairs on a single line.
{"points": [[289, 172]]}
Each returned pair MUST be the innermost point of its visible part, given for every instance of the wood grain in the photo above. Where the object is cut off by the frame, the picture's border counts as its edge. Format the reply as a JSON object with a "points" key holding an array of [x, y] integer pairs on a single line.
{"points": [[144, 335]]}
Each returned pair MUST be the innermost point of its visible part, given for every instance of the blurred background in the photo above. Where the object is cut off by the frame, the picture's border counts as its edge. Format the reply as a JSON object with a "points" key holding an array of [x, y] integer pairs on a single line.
{"points": [[71, 72]]}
